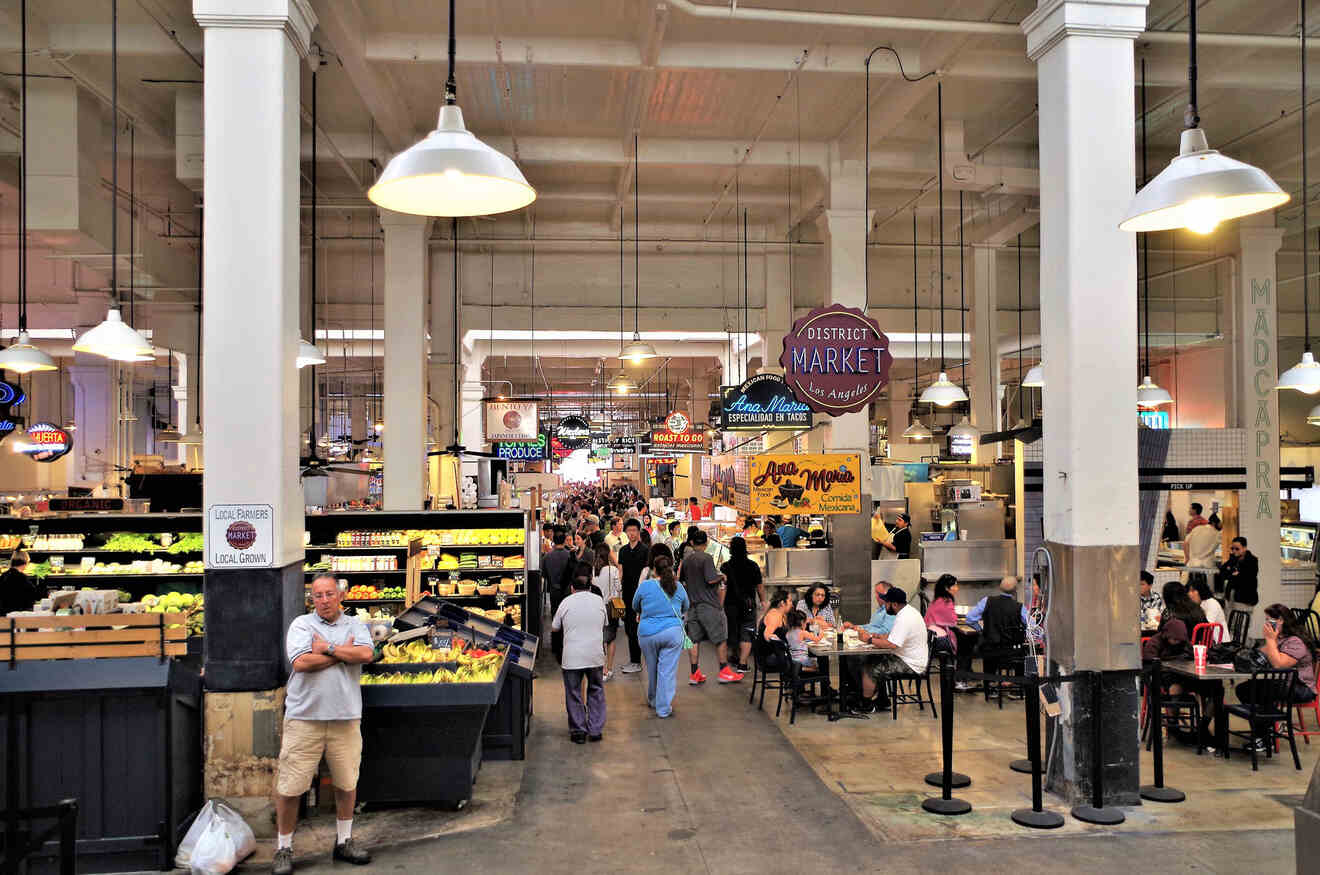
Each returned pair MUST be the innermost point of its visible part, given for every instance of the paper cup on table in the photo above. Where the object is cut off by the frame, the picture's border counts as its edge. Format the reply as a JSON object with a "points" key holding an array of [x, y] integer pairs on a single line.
{"points": [[1198, 656]]}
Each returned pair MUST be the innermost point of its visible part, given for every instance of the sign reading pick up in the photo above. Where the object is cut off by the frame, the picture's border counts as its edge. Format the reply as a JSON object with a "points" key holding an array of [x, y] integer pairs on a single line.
{"points": [[836, 359], [240, 536], [762, 403]]}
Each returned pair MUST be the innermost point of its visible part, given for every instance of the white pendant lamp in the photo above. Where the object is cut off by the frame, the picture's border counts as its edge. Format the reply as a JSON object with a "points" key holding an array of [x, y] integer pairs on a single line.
{"points": [[638, 351], [621, 384], [23, 357], [942, 392], [1304, 376], [113, 339], [451, 172], [1200, 188], [1151, 395], [965, 429], [1313, 418], [309, 354], [1035, 378], [916, 431]]}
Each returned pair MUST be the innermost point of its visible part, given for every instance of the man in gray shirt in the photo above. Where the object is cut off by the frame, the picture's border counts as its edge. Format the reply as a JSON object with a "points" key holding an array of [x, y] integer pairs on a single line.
{"points": [[706, 620], [322, 716], [581, 617]]}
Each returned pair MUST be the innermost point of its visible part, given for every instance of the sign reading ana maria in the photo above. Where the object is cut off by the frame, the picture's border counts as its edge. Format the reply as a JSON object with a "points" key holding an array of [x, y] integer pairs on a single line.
{"points": [[836, 359], [762, 403], [806, 483]]}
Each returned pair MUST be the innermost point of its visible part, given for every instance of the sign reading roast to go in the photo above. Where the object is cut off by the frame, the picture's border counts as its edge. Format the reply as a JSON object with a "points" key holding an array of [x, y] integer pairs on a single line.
{"points": [[678, 435], [836, 359]]}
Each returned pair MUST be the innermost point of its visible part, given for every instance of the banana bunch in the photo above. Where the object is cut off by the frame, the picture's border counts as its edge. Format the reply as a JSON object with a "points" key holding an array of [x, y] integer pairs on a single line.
{"points": [[414, 651]]}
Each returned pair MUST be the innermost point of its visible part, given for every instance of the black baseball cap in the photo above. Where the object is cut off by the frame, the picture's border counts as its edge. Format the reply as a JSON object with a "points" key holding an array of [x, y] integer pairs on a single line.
{"points": [[896, 594]]}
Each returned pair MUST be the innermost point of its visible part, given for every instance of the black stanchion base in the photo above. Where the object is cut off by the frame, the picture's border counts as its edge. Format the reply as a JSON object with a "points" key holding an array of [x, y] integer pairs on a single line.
{"points": [[938, 805], [1023, 766], [1044, 819], [1161, 794], [936, 779], [1099, 816]]}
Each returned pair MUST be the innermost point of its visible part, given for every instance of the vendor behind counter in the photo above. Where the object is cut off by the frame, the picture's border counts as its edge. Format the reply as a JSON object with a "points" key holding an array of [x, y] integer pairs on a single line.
{"points": [[19, 591]]}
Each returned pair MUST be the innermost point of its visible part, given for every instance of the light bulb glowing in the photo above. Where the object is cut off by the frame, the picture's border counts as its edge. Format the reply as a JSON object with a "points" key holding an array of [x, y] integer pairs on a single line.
{"points": [[635, 359], [1202, 215]]}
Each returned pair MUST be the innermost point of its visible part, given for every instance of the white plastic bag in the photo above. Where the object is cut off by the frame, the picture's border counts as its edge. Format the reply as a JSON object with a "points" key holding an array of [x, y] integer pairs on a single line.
{"points": [[216, 842]]}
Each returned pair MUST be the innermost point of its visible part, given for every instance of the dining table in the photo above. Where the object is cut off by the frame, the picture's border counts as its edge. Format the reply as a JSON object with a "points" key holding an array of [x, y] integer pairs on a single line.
{"points": [[1187, 668], [831, 646]]}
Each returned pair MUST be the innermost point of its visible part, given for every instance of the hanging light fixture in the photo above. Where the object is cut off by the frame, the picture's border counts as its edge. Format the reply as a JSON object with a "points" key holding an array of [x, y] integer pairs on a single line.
{"points": [[169, 434], [638, 350], [451, 172], [916, 431], [620, 383], [943, 392], [1305, 375], [23, 357], [1313, 418], [1035, 378], [308, 353], [1200, 188], [113, 338], [965, 429], [1149, 394]]}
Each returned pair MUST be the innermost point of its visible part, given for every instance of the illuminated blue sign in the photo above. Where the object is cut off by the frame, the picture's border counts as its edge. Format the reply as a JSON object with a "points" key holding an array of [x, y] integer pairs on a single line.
{"points": [[763, 402], [10, 396], [1154, 418]]}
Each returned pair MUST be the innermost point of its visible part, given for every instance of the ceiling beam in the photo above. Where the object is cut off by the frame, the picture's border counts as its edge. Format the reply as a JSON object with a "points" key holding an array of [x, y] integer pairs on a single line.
{"points": [[343, 26]]}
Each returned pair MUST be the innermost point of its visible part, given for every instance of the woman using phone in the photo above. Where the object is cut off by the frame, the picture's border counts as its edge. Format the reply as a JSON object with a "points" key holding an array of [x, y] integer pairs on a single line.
{"points": [[1286, 647]]}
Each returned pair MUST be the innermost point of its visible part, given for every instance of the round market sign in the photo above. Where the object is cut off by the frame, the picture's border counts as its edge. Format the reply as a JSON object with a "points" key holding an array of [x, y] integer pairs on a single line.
{"points": [[836, 359], [45, 442], [574, 432]]}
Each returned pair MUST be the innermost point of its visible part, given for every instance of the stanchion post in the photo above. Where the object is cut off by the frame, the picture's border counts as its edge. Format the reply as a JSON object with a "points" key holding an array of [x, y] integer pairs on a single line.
{"points": [[946, 803], [1096, 812], [68, 836], [1157, 792], [956, 779], [1036, 817]]}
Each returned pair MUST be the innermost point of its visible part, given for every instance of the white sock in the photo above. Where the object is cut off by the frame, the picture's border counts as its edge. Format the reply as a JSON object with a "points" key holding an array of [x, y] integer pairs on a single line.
{"points": [[345, 829], [284, 841]]}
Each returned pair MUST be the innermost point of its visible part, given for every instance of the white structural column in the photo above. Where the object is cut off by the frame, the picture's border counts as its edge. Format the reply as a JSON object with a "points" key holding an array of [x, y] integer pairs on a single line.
{"points": [[404, 439], [250, 327], [94, 414], [985, 350], [1083, 51], [1253, 352]]}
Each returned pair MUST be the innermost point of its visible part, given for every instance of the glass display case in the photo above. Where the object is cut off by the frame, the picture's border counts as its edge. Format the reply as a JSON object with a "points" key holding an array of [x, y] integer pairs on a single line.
{"points": [[1297, 543]]}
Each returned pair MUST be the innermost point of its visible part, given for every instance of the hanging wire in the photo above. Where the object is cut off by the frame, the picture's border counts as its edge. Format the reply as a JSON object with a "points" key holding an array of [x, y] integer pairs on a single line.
{"points": [[637, 232], [453, 231], [1021, 414], [114, 150], [132, 222], [1145, 238], [746, 292], [1306, 195], [939, 103], [916, 336], [621, 306], [962, 295], [22, 180]]}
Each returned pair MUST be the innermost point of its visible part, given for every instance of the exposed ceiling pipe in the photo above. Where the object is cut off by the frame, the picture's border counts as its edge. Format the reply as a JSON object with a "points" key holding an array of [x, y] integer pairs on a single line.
{"points": [[734, 12]]}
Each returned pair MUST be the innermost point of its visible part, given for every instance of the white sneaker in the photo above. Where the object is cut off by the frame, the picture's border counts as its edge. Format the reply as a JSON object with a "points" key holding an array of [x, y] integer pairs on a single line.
{"points": [[608, 675], [631, 668]]}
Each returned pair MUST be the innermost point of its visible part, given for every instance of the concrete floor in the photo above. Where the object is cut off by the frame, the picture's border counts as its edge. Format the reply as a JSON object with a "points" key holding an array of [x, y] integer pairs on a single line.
{"points": [[725, 787]]}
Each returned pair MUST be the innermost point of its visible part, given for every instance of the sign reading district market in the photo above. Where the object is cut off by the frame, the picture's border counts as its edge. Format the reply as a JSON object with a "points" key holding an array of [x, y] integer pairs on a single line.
{"points": [[762, 403], [836, 359], [574, 432]]}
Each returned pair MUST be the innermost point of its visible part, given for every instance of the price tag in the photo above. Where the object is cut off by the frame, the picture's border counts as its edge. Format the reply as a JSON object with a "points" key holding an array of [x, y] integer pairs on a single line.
{"points": [[501, 599], [442, 640]]}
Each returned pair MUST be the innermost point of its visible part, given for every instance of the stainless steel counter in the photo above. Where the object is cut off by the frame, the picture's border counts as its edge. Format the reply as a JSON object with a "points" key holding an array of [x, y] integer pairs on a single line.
{"points": [[968, 560], [794, 564]]}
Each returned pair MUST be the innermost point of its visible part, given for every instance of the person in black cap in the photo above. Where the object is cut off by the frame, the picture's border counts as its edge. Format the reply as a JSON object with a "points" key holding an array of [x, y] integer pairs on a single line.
{"points": [[905, 645], [900, 541]]}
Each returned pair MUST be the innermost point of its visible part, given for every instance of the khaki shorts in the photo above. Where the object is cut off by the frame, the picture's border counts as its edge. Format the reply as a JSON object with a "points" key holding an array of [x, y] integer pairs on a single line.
{"points": [[305, 741]]}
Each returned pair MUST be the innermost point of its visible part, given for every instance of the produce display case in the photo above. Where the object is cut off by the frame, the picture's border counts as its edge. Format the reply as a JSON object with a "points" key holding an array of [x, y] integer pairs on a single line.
{"points": [[141, 554], [473, 557], [437, 698]]}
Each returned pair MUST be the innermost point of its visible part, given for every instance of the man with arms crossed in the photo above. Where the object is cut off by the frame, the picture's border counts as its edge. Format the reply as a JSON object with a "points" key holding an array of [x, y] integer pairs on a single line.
{"points": [[322, 715]]}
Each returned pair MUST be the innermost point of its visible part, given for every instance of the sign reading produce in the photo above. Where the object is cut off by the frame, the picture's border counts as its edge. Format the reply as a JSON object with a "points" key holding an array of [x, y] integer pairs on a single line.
{"points": [[806, 483], [762, 403], [240, 535], [527, 451], [678, 435], [44, 442], [836, 359], [573, 432], [510, 421]]}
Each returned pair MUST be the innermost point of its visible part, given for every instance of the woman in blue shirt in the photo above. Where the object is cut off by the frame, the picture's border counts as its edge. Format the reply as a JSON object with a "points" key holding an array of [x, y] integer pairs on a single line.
{"points": [[660, 604]]}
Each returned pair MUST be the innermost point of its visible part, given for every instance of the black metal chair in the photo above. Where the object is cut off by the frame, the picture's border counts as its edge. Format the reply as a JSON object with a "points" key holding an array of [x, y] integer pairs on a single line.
{"points": [[1182, 713], [1309, 620], [764, 666], [794, 682], [1238, 624], [1005, 662], [905, 687], [1268, 703]]}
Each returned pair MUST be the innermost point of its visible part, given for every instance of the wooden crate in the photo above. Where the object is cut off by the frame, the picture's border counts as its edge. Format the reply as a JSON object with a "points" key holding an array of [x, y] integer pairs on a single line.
{"points": [[93, 636]]}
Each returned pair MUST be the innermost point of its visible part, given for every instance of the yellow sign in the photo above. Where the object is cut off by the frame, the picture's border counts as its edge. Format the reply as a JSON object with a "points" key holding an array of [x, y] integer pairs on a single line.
{"points": [[807, 483]]}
